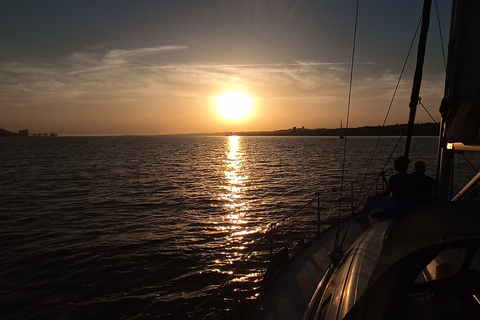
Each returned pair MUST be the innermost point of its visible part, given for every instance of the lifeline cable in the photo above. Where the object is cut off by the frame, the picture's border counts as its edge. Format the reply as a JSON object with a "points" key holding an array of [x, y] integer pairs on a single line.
{"points": [[383, 168]]}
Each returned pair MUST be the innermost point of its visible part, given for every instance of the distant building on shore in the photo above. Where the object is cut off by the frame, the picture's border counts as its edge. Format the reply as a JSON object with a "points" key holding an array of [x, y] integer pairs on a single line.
{"points": [[25, 133]]}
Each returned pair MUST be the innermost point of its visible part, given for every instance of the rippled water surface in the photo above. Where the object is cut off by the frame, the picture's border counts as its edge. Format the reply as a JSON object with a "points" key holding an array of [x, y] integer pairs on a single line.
{"points": [[148, 227]]}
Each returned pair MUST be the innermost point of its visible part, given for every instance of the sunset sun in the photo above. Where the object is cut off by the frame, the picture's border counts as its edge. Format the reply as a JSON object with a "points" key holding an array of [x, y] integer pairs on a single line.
{"points": [[234, 105]]}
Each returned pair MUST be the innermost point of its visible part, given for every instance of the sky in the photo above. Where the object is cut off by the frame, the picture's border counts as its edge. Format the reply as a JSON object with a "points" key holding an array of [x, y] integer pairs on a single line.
{"points": [[107, 67]]}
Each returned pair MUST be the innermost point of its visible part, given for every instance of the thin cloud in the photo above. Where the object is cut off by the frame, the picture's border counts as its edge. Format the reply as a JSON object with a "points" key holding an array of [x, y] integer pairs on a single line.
{"points": [[123, 56], [122, 75], [114, 58]]}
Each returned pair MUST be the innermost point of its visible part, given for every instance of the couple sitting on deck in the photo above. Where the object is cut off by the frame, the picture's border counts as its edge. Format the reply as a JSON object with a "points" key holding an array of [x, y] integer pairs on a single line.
{"points": [[405, 191]]}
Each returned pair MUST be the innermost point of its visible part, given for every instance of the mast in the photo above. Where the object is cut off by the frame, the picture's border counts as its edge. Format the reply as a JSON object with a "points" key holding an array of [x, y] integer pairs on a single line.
{"points": [[417, 79]]}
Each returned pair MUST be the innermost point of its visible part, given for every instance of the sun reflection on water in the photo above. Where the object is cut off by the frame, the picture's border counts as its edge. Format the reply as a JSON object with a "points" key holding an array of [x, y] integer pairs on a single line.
{"points": [[235, 179], [235, 223]]}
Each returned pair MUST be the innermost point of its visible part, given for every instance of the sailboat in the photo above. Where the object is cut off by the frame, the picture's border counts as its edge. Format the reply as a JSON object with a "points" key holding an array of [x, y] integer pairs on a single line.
{"points": [[341, 131], [424, 264]]}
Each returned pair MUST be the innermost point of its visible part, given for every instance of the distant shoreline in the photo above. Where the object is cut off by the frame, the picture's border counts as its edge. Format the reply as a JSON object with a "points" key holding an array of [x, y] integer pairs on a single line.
{"points": [[421, 129]]}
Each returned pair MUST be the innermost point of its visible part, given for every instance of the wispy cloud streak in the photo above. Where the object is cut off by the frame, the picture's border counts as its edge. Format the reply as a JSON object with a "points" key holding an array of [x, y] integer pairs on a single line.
{"points": [[127, 75]]}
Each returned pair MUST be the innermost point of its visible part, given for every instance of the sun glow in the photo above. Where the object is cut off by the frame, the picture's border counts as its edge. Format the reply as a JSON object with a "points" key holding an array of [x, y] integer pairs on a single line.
{"points": [[234, 105]]}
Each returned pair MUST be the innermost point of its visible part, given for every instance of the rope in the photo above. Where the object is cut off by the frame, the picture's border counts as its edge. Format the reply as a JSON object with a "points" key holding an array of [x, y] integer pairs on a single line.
{"points": [[295, 213]]}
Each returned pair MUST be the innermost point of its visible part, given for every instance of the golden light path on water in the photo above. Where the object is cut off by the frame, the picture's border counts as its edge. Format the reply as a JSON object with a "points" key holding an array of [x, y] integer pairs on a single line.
{"points": [[236, 219]]}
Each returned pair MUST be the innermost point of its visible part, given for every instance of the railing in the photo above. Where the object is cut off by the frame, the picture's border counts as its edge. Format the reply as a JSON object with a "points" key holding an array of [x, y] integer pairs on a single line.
{"points": [[281, 240]]}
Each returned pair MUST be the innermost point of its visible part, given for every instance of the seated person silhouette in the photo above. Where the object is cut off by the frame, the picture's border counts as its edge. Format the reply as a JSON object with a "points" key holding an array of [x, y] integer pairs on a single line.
{"points": [[398, 196], [423, 183]]}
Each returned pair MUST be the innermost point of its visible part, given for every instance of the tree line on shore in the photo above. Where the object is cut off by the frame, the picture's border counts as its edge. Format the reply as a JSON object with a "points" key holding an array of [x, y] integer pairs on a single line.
{"points": [[24, 133], [421, 129]]}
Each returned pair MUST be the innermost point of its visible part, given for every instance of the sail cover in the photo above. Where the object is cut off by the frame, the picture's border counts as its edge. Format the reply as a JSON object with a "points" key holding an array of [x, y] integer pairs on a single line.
{"points": [[462, 120], [461, 106]]}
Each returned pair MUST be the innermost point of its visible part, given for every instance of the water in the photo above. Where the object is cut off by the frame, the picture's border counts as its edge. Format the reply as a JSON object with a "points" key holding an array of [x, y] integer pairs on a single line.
{"points": [[149, 227]]}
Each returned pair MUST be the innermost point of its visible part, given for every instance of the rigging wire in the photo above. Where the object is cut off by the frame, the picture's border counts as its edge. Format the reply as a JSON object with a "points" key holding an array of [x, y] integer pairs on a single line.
{"points": [[348, 116], [443, 54], [441, 35], [424, 108], [469, 163], [357, 205]]}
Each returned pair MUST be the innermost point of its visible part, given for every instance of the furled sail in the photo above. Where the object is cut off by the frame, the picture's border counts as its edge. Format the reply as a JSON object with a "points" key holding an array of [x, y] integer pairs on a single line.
{"points": [[460, 108], [462, 120]]}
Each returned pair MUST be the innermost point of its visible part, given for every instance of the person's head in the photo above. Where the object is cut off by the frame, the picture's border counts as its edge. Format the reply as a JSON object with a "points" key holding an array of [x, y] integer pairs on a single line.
{"points": [[419, 166], [401, 164]]}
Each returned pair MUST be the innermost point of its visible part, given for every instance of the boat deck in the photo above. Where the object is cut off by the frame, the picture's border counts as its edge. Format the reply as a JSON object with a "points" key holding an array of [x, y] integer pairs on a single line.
{"points": [[288, 295]]}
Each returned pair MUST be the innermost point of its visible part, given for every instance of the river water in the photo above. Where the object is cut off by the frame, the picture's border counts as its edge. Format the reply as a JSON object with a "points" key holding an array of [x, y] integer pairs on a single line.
{"points": [[149, 227]]}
